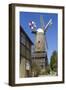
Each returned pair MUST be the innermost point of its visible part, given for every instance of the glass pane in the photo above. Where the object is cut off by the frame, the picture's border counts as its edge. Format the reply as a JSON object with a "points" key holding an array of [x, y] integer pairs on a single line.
{"points": [[22, 38], [22, 50]]}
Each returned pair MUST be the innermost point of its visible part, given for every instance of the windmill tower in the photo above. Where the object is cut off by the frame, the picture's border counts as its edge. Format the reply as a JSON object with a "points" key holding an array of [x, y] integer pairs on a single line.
{"points": [[40, 46]]}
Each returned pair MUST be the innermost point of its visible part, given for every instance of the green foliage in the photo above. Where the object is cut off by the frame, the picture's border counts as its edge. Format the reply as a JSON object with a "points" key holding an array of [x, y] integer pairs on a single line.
{"points": [[53, 62]]}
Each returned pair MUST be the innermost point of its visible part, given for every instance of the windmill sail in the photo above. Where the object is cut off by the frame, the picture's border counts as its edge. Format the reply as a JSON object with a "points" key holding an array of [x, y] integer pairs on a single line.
{"points": [[47, 25], [32, 26], [42, 22]]}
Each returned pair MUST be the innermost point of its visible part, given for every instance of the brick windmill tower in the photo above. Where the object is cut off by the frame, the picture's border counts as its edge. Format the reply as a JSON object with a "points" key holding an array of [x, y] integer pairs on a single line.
{"points": [[39, 55]]}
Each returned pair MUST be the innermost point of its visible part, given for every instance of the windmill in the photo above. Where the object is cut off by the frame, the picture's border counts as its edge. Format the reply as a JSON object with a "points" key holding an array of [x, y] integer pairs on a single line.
{"points": [[40, 32], [40, 45]]}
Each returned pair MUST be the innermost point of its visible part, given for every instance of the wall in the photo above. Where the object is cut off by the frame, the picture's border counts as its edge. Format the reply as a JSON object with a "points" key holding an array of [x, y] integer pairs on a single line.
{"points": [[22, 67], [4, 45]]}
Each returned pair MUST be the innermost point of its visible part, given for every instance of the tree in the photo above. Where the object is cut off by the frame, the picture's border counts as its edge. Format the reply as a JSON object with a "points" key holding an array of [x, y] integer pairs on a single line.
{"points": [[53, 61]]}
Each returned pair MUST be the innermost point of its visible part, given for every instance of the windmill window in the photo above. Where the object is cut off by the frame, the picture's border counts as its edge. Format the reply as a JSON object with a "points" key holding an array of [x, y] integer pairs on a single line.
{"points": [[38, 41]]}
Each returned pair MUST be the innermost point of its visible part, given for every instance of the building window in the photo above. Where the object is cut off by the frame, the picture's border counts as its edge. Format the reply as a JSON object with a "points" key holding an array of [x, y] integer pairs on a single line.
{"points": [[27, 53], [22, 50], [27, 43], [27, 65], [22, 38]]}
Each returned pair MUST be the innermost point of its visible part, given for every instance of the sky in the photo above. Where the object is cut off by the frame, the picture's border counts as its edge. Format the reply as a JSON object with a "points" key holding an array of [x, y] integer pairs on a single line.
{"points": [[52, 32]]}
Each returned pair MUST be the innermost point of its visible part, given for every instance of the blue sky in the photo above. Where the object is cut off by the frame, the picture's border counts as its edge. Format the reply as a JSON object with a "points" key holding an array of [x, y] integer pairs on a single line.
{"points": [[52, 32]]}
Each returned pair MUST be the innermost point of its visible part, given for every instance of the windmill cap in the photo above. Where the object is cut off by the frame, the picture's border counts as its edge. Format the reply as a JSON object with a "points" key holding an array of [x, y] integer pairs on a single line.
{"points": [[40, 30]]}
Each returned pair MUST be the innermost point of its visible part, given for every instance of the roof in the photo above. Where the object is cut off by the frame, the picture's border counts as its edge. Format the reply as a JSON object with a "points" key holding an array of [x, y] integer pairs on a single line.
{"points": [[22, 30]]}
